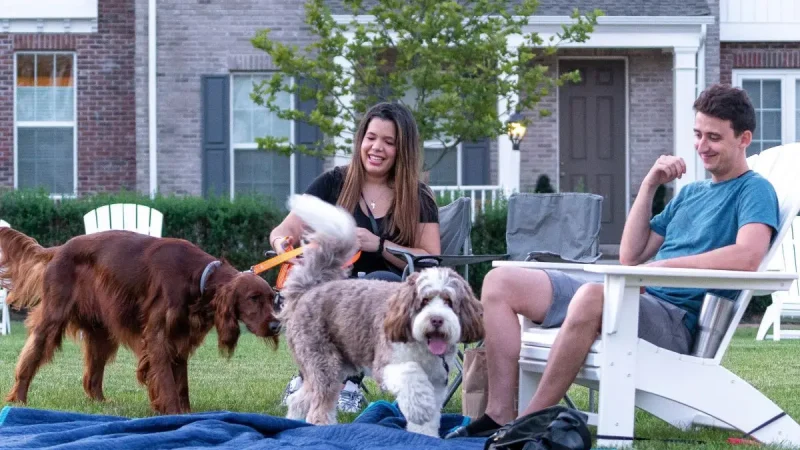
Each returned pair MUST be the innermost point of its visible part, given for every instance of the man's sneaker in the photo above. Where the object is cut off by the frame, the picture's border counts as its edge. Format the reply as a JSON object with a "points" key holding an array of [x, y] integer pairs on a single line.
{"points": [[351, 399], [293, 386]]}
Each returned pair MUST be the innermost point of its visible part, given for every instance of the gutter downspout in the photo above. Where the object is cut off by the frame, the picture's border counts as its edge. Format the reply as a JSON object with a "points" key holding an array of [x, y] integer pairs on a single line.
{"points": [[152, 125]]}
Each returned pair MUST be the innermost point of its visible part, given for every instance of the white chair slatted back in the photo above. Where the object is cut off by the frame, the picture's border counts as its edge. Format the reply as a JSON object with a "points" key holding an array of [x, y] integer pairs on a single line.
{"points": [[787, 259], [779, 166], [124, 216], [5, 315]]}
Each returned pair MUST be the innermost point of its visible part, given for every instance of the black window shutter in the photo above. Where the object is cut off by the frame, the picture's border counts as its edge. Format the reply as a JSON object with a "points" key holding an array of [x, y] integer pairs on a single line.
{"points": [[307, 167], [475, 163], [216, 136]]}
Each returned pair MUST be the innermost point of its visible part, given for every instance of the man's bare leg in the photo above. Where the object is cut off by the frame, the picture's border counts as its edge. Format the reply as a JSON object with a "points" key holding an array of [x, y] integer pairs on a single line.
{"points": [[506, 292], [578, 332]]}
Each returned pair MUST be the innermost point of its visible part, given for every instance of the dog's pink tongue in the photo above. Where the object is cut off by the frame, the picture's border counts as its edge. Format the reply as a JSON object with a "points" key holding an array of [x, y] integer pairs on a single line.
{"points": [[437, 346]]}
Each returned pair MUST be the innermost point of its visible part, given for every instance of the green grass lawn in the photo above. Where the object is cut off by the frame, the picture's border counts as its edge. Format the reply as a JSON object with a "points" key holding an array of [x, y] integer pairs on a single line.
{"points": [[254, 378]]}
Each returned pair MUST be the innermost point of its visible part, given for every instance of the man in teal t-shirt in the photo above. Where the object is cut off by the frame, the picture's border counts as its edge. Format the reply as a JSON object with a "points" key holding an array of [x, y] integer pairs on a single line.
{"points": [[724, 223], [706, 216]]}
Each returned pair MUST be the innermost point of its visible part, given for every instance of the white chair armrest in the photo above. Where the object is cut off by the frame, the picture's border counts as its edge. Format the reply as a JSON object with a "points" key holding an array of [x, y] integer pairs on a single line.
{"points": [[697, 278], [576, 269], [623, 277]]}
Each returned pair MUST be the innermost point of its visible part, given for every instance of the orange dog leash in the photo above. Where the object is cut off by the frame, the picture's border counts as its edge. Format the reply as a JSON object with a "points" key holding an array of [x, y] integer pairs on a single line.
{"points": [[274, 261], [283, 259]]}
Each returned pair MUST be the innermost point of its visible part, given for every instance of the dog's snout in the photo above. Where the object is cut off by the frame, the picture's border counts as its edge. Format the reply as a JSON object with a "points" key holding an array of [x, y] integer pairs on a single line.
{"points": [[437, 321], [275, 326]]}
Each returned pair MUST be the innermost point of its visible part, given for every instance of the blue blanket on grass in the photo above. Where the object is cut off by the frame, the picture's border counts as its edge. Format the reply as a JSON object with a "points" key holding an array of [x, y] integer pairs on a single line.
{"points": [[381, 425]]}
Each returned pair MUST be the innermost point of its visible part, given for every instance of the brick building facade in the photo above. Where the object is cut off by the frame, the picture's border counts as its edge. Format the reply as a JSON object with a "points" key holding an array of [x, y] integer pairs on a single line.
{"points": [[103, 122], [205, 123]]}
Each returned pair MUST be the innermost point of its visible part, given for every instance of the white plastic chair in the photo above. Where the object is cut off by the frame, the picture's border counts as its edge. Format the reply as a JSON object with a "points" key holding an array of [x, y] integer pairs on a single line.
{"points": [[124, 216], [682, 390], [784, 304], [5, 315]]}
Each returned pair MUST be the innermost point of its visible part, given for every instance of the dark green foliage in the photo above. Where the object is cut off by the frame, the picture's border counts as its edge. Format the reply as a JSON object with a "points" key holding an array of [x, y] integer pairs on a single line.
{"points": [[543, 185], [235, 230]]}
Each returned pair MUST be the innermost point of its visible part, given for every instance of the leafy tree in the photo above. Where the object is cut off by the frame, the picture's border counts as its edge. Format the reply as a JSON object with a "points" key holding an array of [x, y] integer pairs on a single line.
{"points": [[449, 61]]}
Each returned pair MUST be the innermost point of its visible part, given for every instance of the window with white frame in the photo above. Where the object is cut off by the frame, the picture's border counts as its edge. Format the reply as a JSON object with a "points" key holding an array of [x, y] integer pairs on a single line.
{"points": [[255, 171], [443, 169], [45, 125], [775, 95]]}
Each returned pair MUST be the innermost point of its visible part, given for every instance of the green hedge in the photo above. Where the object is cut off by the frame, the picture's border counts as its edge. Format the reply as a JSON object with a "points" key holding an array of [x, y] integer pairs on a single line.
{"points": [[235, 230]]}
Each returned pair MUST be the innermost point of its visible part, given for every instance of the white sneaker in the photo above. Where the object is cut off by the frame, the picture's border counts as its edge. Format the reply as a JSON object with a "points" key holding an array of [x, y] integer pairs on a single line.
{"points": [[294, 385], [351, 398]]}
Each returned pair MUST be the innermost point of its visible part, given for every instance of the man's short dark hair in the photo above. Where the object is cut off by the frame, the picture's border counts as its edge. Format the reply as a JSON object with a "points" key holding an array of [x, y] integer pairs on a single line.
{"points": [[726, 102]]}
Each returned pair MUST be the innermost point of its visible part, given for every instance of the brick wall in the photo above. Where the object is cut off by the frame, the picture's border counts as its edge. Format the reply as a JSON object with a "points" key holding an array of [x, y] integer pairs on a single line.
{"points": [[712, 45], [105, 121], [195, 38], [650, 115], [539, 149], [757, 55], [6, 111]]}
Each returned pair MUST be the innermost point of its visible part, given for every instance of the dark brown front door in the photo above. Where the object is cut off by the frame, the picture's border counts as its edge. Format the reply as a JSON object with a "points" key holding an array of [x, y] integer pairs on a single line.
{"points": [[592, 138]]}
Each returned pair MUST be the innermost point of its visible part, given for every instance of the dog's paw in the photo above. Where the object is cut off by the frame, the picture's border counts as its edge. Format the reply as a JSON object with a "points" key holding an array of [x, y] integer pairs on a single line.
{"points": [[295, 410]]}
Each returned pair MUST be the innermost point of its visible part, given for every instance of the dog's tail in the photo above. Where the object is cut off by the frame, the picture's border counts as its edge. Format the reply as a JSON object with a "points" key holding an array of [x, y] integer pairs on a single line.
{"points": [[22, 265], [333, 242]]}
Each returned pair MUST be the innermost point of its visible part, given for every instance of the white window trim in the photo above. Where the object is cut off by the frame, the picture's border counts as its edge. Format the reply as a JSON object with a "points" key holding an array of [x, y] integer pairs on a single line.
{"points": [[438, 144], [73, 123], [788, 79], [254, 146], [434, 144]]}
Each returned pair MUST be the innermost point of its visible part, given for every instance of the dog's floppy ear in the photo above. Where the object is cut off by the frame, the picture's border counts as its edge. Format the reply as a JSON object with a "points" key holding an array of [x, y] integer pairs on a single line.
{"points": [[225, 319], [397, 324], [470, 313]]}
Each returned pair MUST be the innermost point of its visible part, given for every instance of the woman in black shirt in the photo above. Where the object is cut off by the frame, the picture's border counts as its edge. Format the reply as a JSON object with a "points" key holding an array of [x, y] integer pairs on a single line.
{"points": [[381, 187]]}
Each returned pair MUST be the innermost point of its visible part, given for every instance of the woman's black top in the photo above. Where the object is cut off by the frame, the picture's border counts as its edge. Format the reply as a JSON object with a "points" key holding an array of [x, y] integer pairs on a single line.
{"points": [[329, 185]]}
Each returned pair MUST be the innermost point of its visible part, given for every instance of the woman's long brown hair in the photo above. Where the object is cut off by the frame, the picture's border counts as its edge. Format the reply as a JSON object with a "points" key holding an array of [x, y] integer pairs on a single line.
{"points": [[403, 176]]}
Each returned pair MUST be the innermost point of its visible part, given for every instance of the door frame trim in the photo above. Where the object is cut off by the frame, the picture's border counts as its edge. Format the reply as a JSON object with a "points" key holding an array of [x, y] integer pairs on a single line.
{"points": [[623, 58]]}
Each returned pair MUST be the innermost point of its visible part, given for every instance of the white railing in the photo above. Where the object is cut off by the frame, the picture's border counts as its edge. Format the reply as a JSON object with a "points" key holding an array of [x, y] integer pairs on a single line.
{"points": [[479, 195]]}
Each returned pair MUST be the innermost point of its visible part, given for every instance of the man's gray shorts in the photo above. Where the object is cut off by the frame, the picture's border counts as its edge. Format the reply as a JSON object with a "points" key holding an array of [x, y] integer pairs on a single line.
{"points": [[660, 322]]}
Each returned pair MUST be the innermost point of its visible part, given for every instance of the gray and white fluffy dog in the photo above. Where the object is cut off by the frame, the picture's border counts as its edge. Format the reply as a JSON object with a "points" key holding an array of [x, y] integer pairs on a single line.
{"points": [[404, 335]]}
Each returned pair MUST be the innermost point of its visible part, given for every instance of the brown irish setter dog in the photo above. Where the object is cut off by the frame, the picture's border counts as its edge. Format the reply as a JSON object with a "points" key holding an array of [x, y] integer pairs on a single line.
{"points": [[157, 296]]}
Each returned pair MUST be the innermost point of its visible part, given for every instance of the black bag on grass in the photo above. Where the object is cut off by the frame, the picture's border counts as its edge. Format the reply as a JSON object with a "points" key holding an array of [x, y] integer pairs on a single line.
{"points": [[553, 428]]}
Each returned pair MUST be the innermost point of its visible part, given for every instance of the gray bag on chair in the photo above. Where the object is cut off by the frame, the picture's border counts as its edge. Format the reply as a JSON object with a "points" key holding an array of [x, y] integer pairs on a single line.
{"points": [[554, 227]]}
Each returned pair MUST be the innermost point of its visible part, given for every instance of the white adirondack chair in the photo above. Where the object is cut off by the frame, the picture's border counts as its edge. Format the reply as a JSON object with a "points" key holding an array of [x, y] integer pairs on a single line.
{"points": [[5, 315], [683, 390], [124, 216], [784, 304]]}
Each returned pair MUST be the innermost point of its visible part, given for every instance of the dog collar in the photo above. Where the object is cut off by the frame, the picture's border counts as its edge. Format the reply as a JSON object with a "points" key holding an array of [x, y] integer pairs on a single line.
{"points": [[207, 273]]}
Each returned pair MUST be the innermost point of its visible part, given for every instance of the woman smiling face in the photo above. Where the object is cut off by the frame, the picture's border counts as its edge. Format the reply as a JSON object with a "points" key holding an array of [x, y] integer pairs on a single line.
{"points": [[378, 149]]}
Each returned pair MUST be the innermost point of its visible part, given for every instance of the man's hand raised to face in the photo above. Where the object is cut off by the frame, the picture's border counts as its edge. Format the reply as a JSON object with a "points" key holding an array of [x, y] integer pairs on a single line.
{"points": [[666, 169]]}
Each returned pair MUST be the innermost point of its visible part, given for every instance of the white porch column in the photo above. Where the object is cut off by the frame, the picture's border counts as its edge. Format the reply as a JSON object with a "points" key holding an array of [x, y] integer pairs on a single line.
{"points": [[340, 158], [683, 115], [508, 159]]}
